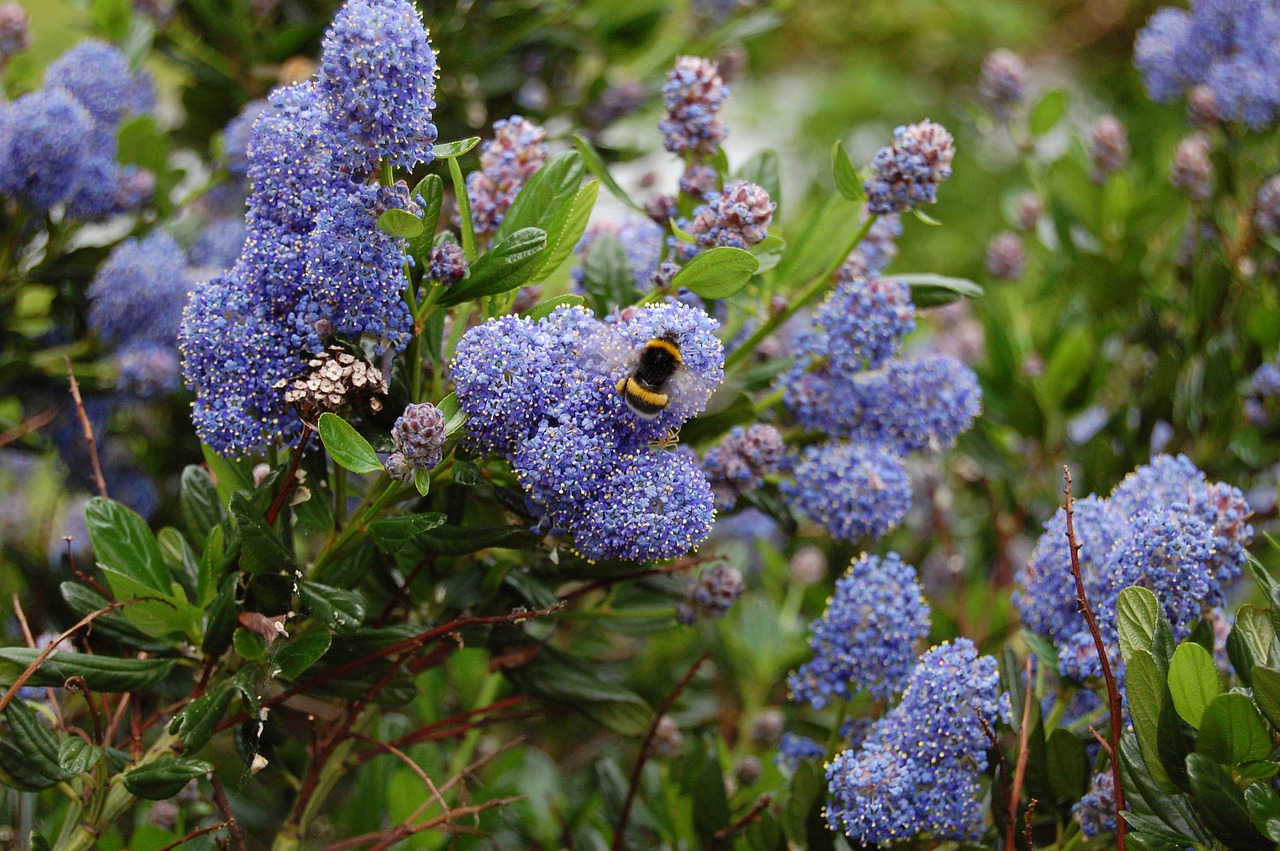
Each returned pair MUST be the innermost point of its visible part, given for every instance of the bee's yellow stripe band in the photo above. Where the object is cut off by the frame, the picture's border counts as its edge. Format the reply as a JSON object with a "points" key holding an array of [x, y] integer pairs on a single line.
{"points": [[667, 346], [633, 388]]}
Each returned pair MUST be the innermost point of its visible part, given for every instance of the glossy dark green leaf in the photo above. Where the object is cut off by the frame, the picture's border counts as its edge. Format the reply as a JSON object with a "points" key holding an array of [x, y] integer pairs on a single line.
{"points": [[606, 273], [929, 290], [577, 684], [220, 619], [544, 195], [545, 308], [1155, 829], [1047, 112], [100, 673], [201, 508], [1068, 768], [566, 230], [336, 608], [460, 540], [808, 788], [1193, 681], [1172, 808], [1148, 698], [249, 645], [445, 150], [165, 777], [82, 599], [1266, 692], [401, 224], [199, 719], [596, 165], [347, 446], [76, 756], [123, 542], [392, 533], [30, 755], [302, 652], [848, 183], [1232, 731], [1137, 613], [718, 273], [1221, 805], [504, 267], [1264, 809], [261, 548], [710, 806], [179, 558]]}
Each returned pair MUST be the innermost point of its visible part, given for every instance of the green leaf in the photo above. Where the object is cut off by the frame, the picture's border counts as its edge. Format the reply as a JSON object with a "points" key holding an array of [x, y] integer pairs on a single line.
{"points": [[229, 475], [422, 480], [820, 243], [1155, 829], [220, 620], [349, 449], [1068, 362], [1137, 613], [111, 17], [543, 309], [302, 652], [1172, 808], [431, 190], [1266, 692], [1232, 731], [123, 542], [1193, 681], [764, 169], [334, 607], [1068, 768], [29, 758], [566, 230], [165, 777], [928, 290], [76, 756], [1047, 112], [1148, 696], [718, 273], [768, 253], [560, 678], [401, 224], [249, 645], [100, 673], [460, 540], [544, 196], [710, 806], [1249, 642], [502, 268], [808, 789], [596, 165], [454, 417], [144, 143], [261, 549], [848, 183], [1221, 806], [606, 273], [199, 720], [392, 533], [1044, 649], [1264, 809], [201, 508], [445, 150]]}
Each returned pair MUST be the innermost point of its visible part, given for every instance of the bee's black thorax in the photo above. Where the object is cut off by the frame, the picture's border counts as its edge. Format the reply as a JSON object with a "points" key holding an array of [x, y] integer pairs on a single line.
{"points": [[660, 358]]}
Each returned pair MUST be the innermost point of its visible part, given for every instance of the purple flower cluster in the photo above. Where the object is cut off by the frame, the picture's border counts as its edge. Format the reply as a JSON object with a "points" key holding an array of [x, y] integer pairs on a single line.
{"points": [[876, 250], [847, 383], [1226, 46], [865, 641], [738, 216], [907, 173], [545, 395], [314, 265], [742, 460], [516, 151], [58, 143], [448, 264], [919, 770], [1190, 170], [711, 594], [14, 35], [1002, 85], [693, 95], [1006, 258], [1108, 147], [1166, 528]]}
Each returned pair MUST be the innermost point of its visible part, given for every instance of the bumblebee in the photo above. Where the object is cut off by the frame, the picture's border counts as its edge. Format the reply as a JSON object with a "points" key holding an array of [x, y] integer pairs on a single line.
{"points": [[648, 389]]}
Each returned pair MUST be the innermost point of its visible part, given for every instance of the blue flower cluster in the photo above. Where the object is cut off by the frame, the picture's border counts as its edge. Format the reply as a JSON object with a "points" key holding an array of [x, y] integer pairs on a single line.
{"points": [[876, 250], [544, 394], [1226, 46], [866, 638], [314, 265], [906, 174], [693, 95], [58, 143], [1166, 528], [1096, 811], [847, 383], [742, 460], [516, 151], [919, 770]]}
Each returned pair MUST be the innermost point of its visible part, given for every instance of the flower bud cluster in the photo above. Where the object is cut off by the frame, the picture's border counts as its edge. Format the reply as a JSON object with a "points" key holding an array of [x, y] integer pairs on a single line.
{"points": [[907, 173], [1006, 258], [516, 151], [1190, 171], [1002, 84], [448, 264], [1108, 147], [742, 460], [14, 34], [1266, 207], [693, 95], [545, 395], [711, 594], [738, 216], [419, 438], [1166, 528]]}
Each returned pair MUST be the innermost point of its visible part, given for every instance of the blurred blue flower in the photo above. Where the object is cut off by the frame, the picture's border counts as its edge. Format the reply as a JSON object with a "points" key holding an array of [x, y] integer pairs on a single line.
{"points": [[46, 137], [139, 292]]}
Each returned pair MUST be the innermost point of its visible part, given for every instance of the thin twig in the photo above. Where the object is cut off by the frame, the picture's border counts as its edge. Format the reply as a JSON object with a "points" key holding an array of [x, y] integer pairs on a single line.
{"points": [[389, 836], [287, 485], [1113, 694], [753, 814], [413, 766], [233, 826], [1026, 826], [675, 567], [27, 426], [634, 785], [1020, 768], [77, 684], [87, 426], [193, 834]]}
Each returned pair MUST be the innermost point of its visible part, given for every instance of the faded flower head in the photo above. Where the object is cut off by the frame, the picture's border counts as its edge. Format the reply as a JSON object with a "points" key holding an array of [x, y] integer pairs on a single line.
{"points": [[517, 150], [332, 379]]}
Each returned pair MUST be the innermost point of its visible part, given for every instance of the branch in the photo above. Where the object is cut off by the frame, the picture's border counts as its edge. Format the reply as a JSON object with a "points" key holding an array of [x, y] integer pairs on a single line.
{"points": [[1020, 769], [287, 484], [193, 834], [88, 430], [233, 826], [754, 813], [1113, 694]]}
